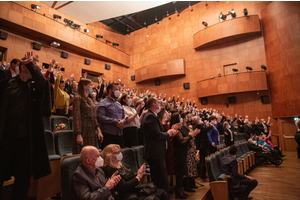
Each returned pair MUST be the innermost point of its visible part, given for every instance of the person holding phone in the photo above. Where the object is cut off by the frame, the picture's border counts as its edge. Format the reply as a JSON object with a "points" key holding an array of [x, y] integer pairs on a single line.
{"points": [[62, 99]]}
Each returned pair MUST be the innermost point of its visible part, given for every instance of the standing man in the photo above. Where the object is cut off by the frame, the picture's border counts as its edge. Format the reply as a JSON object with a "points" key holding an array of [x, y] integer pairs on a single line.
{"points": [[12, 71], [24, 100], [240, 123], [155, 143], [213, 135], [230, 167], [111, 117]]}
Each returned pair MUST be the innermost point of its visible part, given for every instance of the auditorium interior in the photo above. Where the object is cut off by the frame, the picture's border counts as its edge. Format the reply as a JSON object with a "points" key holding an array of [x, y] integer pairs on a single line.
{"points": [[234, 56]]}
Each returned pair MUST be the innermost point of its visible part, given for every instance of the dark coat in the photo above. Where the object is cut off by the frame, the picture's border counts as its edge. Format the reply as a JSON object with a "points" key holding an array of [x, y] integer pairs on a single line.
{"points": [[154, 137], [240, 124], [40, 105], [84, 185], [230, 167], [4, 74], [227, 137], [201, 140]]}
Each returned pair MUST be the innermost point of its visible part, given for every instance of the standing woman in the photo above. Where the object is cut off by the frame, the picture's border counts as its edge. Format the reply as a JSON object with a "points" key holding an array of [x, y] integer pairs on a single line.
{"points": [[84, 118], [180, 147], [130, 129]]}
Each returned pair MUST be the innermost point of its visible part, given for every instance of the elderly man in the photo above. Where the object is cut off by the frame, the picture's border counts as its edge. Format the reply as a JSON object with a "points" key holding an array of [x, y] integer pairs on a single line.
{"points": [[111, 117], [155, 143], [230, 167], [88, 181]]}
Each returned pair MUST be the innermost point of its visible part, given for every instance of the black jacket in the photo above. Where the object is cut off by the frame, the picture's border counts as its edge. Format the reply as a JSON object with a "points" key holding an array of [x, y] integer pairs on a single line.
{"points": [[227, 137], [154, 137], [230, 167], [4, 74], [201, 140], [40, 105]]}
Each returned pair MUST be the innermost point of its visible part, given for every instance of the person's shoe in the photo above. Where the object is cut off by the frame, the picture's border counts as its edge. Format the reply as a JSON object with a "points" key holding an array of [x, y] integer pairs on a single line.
{"points": [[279, 163], [184, 194], [179, 194], [193, 183], [282, 155]]}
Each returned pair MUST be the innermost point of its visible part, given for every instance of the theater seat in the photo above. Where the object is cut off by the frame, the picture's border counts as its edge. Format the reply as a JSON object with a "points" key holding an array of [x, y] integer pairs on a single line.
{"points": [[129, 159], [55, 120], [63, 142], [51, 146], [68, 166], [139, 154]]}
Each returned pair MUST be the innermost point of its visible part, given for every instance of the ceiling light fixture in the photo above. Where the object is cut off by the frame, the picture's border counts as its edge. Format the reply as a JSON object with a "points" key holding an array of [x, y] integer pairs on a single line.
{"points": [[233, 14], [223, 16], [35, 7], [56, 16]]}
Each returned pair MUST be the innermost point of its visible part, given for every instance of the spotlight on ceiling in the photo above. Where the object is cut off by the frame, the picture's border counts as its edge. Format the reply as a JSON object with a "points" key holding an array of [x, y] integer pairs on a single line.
{"points": [[245, 12], [264, 67], [99, 36], [56, 16], [235, 70], [86, 30], [233, 14], [55, 44], [223, 16], [249, 69], [33, 6], [204, 23], [77, 26], [115, 44], [68, 22]]}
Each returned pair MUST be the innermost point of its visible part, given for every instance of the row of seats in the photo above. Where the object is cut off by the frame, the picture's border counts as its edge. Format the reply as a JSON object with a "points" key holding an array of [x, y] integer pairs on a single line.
{"points": [[237, 138], [51, 122], [131, 156], [218, 180]]}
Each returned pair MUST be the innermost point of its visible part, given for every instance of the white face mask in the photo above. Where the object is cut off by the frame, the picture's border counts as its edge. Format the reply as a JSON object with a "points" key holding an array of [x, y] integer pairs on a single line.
{"points": [[129, 101], [229, 126], [94, 94], [119, 157], [17, 69], [117, 93], [215, 122], [181, 120], [99, 162], [158, 109]]}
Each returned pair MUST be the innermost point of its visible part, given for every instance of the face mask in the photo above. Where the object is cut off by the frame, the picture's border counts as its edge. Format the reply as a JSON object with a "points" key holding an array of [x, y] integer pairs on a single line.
{"points": [[17, 69], [119, 157], [229, 126], [90, 91], [253, 142], [158, 109], [129, 101], [200, 121], [94, 94], [99, 162], [181, 120], [165, 116], [215, 122], [117, 93]]}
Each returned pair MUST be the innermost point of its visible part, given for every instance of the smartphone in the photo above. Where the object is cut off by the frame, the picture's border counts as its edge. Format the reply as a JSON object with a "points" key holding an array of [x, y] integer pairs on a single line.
{"points": [[46, 66], [62, 69]]}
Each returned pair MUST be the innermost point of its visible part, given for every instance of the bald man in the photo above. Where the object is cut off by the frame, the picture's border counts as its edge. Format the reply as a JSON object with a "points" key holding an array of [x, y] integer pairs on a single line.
{"points": [[88, 181]]}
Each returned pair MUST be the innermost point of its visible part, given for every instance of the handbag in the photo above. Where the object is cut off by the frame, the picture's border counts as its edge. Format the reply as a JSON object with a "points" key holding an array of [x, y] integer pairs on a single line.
{"points": [[145, 189]]}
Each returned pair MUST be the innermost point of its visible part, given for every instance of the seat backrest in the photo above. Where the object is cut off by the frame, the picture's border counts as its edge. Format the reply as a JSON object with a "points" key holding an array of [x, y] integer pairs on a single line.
{"points": [[243, 146], [221, 139], [209, 168], [55, 120], [63, 142], [68, 166], [242, 137], [46, 123], [50, 142], [139, 155], [215, 167], [129, 159], [71, 123], [239, 151]]}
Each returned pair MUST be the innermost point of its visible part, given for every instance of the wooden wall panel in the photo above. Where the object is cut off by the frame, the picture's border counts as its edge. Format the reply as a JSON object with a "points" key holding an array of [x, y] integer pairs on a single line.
{"points": [[35, 25], [171, 68], [17, 47], [173, 39], [229, 31], [281, 21], [245, 82]]}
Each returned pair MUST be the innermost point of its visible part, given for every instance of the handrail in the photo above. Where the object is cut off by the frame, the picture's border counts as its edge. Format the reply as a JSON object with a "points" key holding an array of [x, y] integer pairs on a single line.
{"points": [[228, 75]]}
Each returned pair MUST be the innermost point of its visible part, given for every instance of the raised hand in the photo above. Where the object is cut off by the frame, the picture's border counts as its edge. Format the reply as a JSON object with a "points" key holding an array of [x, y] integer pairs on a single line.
{"points": [[28, 58]]}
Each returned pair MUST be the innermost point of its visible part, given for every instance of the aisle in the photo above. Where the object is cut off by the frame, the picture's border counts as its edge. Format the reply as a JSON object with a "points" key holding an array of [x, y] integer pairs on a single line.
{"points": [[278, 183]]}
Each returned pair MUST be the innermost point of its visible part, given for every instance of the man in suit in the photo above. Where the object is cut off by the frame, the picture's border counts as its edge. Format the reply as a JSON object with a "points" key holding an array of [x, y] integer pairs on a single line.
{"points": [[12, 71], [229, 135], [264, 127], [155, 144], [213, 135], [88, 180], [230, 167]]}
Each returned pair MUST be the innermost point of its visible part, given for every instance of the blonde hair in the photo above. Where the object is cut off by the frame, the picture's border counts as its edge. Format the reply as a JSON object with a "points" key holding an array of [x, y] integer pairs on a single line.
{"points": [[107, 153], [134, 100]]}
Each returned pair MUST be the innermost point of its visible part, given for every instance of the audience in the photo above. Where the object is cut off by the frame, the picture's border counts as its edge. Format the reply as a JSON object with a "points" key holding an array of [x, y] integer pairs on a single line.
{"points": [[84, 119], [89, 181], [12, 71], [126, 188], [236, 180]]}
